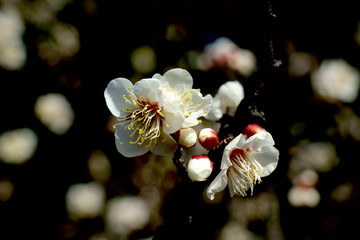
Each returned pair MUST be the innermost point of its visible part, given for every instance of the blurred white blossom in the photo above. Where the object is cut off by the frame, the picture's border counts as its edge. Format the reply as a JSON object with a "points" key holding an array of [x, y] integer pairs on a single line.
{"points": [[6, 190], [319, 156], [307, 178], [301, 63], [12, 47], [64, 43], [300, 196], [343, 192], [357, 34], [235, 231], [85, 200], [336, 80], [55, 112], [125, 215], [18, 146], [99, 166], [224, 53], [348, 123], [42, 13]]}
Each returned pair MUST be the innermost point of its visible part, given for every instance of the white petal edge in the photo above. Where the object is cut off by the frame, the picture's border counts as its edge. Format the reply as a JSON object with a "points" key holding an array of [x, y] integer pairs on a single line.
{"points": [[268, 158], [218, 184], [113, 95], [177, 79], [235, 143], [230, 94], [215, 111]]}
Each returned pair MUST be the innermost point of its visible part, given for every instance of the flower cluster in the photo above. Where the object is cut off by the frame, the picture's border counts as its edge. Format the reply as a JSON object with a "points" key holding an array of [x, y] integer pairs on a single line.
{"points": [[164, 113], [152, 109]]}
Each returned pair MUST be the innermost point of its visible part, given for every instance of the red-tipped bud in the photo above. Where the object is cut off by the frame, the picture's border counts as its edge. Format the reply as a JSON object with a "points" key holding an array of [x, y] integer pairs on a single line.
{"points": [[251, 129], [186, 137], [199, 168], [208, 138]]}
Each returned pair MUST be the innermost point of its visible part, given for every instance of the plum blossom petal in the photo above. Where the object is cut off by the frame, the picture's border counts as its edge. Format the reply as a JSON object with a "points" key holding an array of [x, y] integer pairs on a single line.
{"points": [[113, 95], [122, 140], [177, 79], [215, 112], [244, 162], [148, 88], [166, 146], [173, 118], [218, 184], [231, 93], [200, 107], [226, 100]]}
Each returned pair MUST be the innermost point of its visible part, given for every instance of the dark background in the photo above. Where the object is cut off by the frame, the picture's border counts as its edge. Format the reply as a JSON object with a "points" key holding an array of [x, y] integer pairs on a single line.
{"points": [[108, 36]]}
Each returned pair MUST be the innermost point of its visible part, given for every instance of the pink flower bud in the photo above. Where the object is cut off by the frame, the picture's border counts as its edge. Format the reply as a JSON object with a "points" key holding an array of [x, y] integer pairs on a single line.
{"points": [[208, 138], [186, 137], [199, 168], [251, 129]]}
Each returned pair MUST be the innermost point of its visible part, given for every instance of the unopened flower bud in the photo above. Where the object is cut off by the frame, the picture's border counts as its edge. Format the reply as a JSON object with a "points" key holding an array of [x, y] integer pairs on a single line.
{"points": [[251, 129], [199, 168], [208, 138], [186, 137]]}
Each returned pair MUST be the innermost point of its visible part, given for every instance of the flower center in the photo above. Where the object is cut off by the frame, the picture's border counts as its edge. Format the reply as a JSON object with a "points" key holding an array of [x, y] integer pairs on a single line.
{"points": [[144, 120], [184, 101], [244, 172]]}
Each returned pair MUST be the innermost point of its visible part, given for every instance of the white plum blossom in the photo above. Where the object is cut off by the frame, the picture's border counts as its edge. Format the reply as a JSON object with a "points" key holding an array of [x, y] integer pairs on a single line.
{"points": [[152, 109], [244, 162], [145, 119], [226, 100], [336, 80], [176, 85]]}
